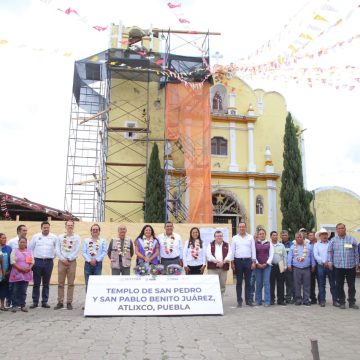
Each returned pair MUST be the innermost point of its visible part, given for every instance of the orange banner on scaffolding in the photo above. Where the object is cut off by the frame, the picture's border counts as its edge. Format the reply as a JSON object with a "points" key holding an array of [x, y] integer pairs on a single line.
{"points": [[188, 123]]}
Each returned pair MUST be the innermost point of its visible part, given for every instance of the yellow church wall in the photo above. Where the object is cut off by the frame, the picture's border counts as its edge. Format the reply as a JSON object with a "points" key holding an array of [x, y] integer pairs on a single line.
{"points": [[242, 147], [269, 130], [127, 183], [244, 95], [337, 205], [108, 231]]}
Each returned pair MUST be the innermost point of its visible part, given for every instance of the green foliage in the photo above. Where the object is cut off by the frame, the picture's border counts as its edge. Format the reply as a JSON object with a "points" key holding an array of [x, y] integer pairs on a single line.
{"points": [[155, 190], [295, 200]]}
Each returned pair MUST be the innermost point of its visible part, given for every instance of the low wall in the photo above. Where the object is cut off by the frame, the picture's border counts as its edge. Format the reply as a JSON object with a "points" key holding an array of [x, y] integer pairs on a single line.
{"points": [[108, 231]]}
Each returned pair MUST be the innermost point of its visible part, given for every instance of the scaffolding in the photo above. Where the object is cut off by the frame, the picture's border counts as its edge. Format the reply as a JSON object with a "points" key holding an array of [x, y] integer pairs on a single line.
{"points": [[118, 112], [87, 144], [180, 110]]}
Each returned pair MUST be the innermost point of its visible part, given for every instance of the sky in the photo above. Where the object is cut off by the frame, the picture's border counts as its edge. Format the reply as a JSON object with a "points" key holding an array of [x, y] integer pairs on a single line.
{"points": [[39, 43]]}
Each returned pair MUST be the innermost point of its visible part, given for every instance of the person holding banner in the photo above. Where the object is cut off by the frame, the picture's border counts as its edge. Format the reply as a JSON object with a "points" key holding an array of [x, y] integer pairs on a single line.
{"points": [[120, 252], [171, 251], [93, 251], [194, 254], [218, 254], [147, 246]]}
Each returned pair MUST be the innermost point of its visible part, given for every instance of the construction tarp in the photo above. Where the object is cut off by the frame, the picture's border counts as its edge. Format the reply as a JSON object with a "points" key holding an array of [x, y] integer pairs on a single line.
{"points": [[188, 123]]}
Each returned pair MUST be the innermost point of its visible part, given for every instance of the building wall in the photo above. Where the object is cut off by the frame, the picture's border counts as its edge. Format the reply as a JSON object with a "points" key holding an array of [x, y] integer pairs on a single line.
{"points": [[137, 102], [333, 205], [266, 113]]}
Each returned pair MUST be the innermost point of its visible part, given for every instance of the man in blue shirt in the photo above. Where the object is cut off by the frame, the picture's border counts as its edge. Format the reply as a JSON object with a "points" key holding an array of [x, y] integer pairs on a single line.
{"points": [[300, 261], [343, 256], [289, 296], [322, 268]]}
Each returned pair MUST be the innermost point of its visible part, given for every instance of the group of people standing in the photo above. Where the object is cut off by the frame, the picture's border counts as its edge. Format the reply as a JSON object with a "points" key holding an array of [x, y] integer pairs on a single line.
{"points": [[22, 262], [266, 265]]}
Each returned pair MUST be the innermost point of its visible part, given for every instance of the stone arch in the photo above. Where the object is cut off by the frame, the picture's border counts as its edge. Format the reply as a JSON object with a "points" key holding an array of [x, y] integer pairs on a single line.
{"points": [[225, 202]]}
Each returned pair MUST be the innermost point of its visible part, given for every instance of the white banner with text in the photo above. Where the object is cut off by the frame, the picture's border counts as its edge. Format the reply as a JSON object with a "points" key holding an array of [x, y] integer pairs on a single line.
{"points": [[153, 295]]}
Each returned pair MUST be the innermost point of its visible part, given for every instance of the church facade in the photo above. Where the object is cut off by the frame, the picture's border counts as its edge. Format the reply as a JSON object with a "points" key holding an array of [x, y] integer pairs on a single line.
{"points": [[241, 149], [247, 129]]}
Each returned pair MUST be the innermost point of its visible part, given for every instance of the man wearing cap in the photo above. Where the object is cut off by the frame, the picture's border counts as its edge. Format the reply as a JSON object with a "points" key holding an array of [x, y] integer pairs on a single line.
{"points": [[320, 254], [343, 257], [289, 295], [303, 232]]}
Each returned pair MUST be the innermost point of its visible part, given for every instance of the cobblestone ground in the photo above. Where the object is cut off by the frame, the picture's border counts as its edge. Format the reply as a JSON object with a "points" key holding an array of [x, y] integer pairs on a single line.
{"points": [[275, 332]]}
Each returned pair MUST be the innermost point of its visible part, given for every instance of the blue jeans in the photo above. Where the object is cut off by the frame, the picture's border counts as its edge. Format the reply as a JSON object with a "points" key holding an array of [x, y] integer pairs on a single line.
{"points": [[243, 268], [42, 271], [252, 285], [322, 272], [19, 293], [262, 280], [91, 270]]}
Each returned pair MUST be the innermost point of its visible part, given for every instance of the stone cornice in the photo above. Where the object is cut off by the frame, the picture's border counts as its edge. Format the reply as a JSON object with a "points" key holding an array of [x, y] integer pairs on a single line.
{"points": [[234, 118], [258, 175]]}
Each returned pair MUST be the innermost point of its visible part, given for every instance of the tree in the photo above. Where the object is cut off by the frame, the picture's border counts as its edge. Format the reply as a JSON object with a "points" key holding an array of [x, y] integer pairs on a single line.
{"points": [[155, 189], [295, 200]]}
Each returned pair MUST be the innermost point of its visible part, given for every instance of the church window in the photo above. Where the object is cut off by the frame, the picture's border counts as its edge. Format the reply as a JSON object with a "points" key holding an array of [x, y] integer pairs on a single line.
{"points": [[218, 146], [130, 134]]}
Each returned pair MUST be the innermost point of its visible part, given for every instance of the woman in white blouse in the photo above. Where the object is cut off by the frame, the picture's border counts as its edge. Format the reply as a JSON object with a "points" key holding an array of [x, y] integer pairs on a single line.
{"points": [[194, 256]]}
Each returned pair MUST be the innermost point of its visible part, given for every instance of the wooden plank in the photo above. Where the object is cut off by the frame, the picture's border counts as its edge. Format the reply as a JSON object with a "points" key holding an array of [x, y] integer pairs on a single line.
{"points": [[127, 129], [123, 164], [125, 201]]}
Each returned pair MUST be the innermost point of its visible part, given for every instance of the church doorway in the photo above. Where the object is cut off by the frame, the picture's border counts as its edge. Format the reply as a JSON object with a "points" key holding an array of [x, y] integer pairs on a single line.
{"points": [[227, 209]]}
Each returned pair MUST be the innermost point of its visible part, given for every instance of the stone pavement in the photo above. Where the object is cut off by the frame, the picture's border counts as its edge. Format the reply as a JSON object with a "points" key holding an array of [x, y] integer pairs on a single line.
{"points": [[275, 332]]}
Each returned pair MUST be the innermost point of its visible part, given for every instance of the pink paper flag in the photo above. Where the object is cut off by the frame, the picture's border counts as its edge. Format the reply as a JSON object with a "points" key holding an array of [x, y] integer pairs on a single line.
{"points": [[70, 10], [173, 6], [100, 28]]}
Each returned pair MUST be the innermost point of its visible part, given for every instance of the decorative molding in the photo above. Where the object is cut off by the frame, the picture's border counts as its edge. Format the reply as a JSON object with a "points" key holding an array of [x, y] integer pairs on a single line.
{"points": [[236, 118], [232, 175]]}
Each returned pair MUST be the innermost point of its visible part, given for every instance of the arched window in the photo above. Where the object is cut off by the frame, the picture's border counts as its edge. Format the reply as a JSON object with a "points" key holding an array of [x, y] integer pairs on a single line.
{"points": [[259, 205], [218, 146]]}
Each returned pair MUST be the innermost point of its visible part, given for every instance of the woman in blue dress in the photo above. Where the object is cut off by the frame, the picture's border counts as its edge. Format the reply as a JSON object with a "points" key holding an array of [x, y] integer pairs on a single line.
{"points": [[5, 251]]}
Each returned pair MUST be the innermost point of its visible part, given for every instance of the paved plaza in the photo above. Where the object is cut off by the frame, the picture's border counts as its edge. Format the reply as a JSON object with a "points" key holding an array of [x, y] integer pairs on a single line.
{"points": [[276, 332]]}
